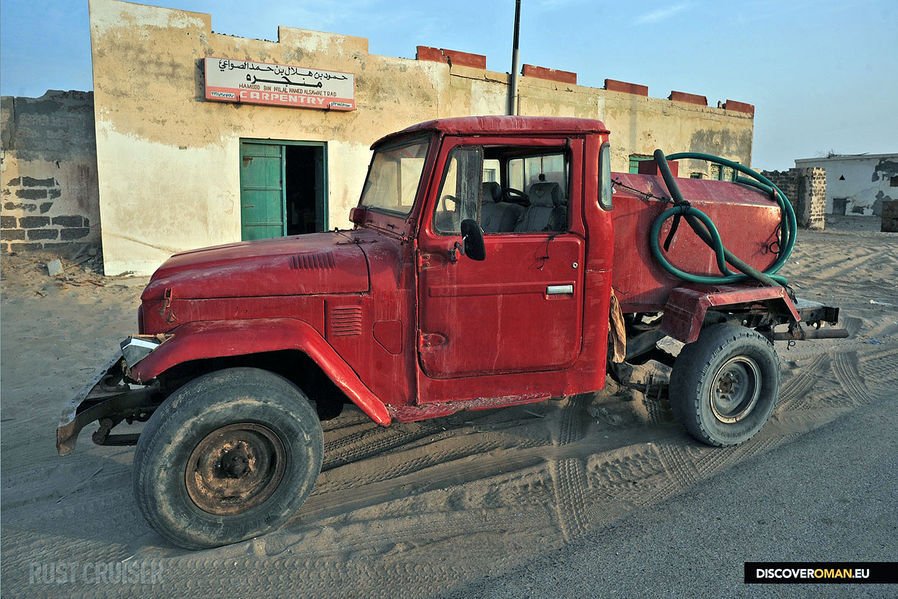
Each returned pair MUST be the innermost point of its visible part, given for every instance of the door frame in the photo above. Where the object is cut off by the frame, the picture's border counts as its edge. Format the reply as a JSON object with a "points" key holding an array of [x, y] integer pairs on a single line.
{"points": [[325, 190]]}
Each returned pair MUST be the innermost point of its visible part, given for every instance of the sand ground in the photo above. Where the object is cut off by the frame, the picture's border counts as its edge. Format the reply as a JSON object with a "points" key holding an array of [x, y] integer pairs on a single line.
{"points": [[415, 509]]}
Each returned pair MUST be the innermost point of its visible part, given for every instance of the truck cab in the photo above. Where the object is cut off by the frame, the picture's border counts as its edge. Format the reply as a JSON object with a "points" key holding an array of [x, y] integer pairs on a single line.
{"points": [[478, 275], [473, 317]]}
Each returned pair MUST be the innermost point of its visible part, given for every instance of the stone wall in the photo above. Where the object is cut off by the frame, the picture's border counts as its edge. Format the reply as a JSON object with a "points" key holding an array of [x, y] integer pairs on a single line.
{"points": [[806, 189], [48, 168], [889, 217]]}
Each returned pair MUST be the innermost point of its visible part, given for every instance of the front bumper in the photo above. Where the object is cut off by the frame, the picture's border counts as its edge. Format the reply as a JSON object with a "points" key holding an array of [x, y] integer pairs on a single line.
{"points": [[109, 398]]}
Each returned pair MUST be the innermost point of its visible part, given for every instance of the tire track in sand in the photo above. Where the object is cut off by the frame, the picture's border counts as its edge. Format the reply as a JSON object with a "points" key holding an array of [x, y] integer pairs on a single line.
{"points": [[794, 394], [569, 478], [846, 368]]}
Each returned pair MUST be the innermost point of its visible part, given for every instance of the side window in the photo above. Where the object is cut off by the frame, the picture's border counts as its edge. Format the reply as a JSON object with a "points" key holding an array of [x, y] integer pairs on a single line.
{"points": [[459, 196], [606, 190]]}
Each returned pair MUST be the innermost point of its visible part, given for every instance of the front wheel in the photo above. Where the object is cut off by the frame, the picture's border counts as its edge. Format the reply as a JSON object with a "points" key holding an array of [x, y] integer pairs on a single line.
{"points": [[229, 456], [725, 385]]}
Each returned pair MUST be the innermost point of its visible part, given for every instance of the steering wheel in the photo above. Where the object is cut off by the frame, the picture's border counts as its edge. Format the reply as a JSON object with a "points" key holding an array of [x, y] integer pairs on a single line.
{"points": [[515, 196]]}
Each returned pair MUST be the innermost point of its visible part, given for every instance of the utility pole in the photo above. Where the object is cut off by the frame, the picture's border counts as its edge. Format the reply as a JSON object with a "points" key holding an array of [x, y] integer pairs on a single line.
{"points": [[513, 91]]}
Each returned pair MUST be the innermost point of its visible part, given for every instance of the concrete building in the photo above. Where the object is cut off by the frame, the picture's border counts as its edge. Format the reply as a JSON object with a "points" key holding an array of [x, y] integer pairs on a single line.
{"points": [[857, 184], [204, 138]]}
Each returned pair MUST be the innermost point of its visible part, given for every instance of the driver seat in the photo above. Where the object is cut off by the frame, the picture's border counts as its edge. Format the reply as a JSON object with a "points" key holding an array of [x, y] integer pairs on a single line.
{"points": [[497, 216]]}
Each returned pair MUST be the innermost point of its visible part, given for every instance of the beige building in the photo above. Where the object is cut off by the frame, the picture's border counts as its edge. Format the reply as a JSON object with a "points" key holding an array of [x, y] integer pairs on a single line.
{"points": [[181, 164]]}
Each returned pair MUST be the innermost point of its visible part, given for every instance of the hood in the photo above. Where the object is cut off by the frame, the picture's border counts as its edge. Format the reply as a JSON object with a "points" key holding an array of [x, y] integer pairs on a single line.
{"points": [[317, 263]]}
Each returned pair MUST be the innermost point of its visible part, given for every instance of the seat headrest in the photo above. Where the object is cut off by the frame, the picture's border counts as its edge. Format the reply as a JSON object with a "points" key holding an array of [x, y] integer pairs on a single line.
{"points": [[491, 191], [545, 193]]}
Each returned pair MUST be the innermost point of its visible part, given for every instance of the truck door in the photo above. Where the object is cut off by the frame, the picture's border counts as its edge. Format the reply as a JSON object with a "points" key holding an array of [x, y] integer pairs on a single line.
{"points": [[521, 308]]}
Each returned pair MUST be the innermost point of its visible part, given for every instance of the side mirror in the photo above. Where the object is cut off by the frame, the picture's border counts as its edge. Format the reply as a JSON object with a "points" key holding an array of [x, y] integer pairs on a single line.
{"points": [[472, 238], [357, 215]]}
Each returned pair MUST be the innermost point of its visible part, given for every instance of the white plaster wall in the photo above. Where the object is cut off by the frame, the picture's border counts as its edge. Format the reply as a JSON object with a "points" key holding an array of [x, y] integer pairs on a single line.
{"points": [[858, 185], [347, 165], [185, 197]]}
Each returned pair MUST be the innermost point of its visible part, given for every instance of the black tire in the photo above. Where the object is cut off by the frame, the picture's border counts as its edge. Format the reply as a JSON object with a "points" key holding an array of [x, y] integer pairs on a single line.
{"points": [[228, 456], [725, 385]]}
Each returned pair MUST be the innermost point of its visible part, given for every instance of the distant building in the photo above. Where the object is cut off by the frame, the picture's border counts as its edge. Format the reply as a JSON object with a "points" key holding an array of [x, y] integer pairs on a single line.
{"points": [[857, 184]]}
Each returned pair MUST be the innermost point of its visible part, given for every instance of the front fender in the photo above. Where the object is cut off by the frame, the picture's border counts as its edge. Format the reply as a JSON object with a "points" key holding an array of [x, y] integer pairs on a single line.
{"points": [[219, 339]]}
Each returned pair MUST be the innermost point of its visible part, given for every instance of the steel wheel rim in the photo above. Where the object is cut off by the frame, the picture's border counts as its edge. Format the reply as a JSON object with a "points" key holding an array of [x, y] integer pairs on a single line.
{"points": [[235, 468], [735, 389]]}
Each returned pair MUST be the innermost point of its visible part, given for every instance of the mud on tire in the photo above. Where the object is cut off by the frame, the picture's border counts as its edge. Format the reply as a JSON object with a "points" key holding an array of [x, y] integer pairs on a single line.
{"points": [[229, 456], [725, 385]]}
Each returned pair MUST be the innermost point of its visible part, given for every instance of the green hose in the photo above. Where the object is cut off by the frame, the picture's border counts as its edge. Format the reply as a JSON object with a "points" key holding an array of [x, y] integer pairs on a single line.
{"points": [[704, 227]]}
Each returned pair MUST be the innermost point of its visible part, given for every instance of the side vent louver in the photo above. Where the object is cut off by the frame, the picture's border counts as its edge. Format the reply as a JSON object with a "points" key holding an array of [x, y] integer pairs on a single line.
{"points": [[323, 261], [344, 321]]}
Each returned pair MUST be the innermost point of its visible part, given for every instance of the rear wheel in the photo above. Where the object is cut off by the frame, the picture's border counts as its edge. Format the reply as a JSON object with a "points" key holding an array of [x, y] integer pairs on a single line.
{"points": [[725, 385], [229, 456]]}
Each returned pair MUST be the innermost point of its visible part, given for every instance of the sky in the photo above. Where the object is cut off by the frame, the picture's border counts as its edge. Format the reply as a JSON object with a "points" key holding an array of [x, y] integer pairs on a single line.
{"points": [[821, 73]]}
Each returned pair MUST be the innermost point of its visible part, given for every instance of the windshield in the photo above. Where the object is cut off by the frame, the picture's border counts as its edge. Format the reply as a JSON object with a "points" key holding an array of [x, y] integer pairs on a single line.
{"points": [[394, 177]]}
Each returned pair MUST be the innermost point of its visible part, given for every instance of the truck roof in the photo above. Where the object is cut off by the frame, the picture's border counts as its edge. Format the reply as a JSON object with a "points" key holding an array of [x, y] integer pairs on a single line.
{"points": [[510, 125]]}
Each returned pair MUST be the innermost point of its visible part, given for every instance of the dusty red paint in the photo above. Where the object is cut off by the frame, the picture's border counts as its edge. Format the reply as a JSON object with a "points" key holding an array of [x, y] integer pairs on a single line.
{"points": [[213, 339], [408, 333], [746, 218], [530, 127], [271, 267], [530, 70], [613, 85], [685, 309], [688, 98]]}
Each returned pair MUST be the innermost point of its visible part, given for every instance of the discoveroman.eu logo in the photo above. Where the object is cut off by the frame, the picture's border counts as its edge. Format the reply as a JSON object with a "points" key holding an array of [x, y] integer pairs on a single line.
{"points": [[821, 572]]}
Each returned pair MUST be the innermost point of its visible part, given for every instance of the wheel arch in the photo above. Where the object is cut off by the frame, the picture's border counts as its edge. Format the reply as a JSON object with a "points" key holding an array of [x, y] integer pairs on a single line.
{"points": [[285, 346]]}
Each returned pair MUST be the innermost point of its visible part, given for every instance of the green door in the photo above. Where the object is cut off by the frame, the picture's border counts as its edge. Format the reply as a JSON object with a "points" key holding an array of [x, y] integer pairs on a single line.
{"points": [[262, 199], [320, 192]]}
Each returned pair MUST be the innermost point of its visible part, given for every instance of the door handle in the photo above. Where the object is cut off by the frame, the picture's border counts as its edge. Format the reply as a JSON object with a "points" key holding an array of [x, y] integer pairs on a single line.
{"points": [[560, 290]]}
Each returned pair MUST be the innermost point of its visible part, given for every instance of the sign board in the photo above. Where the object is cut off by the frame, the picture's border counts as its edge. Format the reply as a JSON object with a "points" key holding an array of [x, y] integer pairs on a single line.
{"points": [[278, 85]]}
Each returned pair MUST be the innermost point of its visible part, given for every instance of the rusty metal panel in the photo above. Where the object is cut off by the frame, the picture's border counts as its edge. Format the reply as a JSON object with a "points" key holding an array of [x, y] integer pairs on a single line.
{"points": [[747, 221], [686, 307]]}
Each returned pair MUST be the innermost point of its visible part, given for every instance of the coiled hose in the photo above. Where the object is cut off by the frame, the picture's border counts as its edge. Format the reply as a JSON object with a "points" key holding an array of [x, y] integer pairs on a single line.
{"points": [[704, 227]]}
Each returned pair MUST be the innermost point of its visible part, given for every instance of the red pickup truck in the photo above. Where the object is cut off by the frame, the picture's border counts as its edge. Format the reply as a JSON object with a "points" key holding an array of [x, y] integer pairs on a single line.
{"points": [[494, 261]]}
